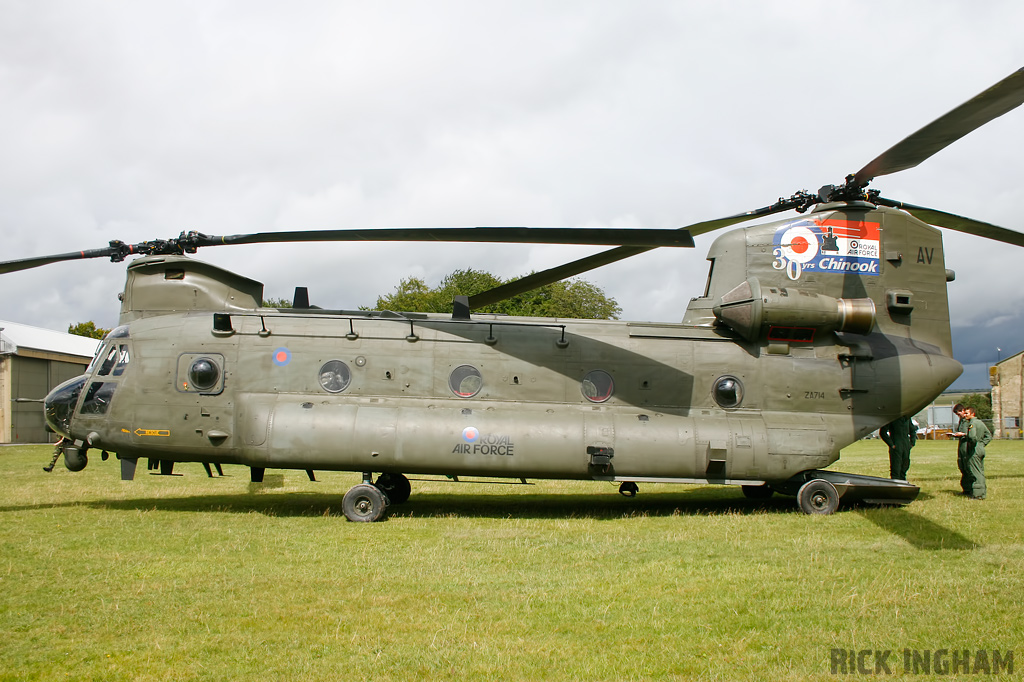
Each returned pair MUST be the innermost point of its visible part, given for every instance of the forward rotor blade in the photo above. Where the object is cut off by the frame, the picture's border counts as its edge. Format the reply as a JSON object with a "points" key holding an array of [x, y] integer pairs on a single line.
{"points": [[189, 242], [1002, 97], [957, 222], [511, 235], [576, 267]]}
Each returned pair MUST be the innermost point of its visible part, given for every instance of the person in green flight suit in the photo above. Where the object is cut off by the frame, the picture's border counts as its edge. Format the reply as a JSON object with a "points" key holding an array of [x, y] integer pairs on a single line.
{"points": [[973, 436], [900, 435]]}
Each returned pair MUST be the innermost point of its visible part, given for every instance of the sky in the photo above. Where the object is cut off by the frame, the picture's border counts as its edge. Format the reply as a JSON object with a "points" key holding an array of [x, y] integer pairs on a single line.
{"points": [[140, 120]]}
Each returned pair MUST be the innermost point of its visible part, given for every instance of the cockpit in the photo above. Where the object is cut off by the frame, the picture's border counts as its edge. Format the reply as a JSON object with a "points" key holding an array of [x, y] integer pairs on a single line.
{"points": [[102, 377]]}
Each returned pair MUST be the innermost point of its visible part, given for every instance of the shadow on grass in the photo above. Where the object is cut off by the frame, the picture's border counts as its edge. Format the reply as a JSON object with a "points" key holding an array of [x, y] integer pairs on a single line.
{"points": [[920, 532], [606, 507], [525, 506]]}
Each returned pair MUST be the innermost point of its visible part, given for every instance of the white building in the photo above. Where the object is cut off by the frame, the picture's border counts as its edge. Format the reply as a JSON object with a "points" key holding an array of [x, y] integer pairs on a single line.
{"points": [[1007, 378]]}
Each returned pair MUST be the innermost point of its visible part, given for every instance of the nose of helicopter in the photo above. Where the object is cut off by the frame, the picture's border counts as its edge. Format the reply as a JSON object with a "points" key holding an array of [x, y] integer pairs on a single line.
{"points": [[59, 404]]}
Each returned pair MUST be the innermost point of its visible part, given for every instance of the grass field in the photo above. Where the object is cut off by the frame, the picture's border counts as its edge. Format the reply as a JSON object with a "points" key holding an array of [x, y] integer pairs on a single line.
{"points": [[187, 577]]}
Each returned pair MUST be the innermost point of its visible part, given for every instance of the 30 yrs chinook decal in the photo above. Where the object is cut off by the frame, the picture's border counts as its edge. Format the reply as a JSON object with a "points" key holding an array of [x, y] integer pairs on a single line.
{"points": [[830, 245]]}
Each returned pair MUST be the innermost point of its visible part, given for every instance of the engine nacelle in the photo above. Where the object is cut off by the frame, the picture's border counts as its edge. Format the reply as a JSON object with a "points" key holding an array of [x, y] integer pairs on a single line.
{"points": [[748, 310]]}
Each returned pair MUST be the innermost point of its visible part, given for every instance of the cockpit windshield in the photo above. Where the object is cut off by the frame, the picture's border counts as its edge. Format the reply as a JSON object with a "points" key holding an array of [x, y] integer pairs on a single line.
{"points": [[112, 360], [113, 353]]}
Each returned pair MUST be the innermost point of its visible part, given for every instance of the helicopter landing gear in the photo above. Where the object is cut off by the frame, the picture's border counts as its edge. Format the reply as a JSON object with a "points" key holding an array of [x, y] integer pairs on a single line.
{"points": [[75, 458], [757, 492], [818, 496], [629, 489], [395, 486], [364, 503]]}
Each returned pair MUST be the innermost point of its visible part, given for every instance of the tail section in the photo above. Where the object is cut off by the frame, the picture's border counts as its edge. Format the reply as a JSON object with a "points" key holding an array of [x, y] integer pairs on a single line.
{"points": [[861, 285]]}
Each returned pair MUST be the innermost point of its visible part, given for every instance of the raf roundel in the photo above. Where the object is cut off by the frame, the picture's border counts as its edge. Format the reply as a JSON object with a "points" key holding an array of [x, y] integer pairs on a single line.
{"points": [[800, 244], [471, 434], [282, 356]]}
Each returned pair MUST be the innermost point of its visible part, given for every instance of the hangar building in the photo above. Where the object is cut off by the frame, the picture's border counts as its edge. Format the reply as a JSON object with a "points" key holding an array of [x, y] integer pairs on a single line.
{"points": [[33, 361]]}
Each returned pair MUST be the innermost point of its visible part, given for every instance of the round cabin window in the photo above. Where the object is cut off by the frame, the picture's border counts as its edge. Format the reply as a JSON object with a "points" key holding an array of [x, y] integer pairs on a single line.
{"points": [[465, 381], [204, 374], [597, 386], [728, 391], [335, 376]]}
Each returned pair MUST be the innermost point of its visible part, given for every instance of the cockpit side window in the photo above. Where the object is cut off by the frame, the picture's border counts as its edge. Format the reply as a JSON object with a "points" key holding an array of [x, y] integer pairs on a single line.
{"points": [[97, 399]]}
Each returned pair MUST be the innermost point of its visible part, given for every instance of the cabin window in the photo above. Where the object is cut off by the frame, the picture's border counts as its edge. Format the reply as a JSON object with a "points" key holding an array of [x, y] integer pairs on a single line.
{"points": [[465, 381], [597, 386], [335, 376], [728, 391]]}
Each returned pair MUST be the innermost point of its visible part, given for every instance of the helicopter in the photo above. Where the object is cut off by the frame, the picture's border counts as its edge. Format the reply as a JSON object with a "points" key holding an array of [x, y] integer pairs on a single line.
{"points": [[812, 332]]}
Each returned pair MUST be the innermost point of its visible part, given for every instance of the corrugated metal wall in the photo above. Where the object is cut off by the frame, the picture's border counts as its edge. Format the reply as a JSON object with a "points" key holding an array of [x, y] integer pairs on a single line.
{"points": [[30, 380]]}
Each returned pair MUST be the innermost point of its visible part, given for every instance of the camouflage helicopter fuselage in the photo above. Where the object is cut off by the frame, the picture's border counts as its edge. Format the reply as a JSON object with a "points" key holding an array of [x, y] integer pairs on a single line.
{"points": [[784, 361]]}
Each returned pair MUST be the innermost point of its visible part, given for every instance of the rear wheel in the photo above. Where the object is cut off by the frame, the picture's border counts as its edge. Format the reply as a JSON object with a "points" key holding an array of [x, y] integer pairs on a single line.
{"points": [[818, 497], [364, 503], [395, 486]]}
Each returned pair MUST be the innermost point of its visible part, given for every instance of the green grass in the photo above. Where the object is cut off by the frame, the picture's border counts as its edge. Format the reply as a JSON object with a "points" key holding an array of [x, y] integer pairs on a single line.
{"points": [[186, 577]]}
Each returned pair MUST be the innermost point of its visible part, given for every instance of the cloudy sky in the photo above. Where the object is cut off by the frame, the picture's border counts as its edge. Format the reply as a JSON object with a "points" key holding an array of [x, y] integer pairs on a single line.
{"points": [[138, 120]]}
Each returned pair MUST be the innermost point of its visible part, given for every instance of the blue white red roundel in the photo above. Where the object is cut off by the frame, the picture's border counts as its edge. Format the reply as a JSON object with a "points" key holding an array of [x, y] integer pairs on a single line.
{"points": [[799, 244]]}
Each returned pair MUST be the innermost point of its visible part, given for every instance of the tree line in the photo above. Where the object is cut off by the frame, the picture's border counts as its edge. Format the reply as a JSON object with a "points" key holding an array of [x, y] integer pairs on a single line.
{"points": [[572, 298]]}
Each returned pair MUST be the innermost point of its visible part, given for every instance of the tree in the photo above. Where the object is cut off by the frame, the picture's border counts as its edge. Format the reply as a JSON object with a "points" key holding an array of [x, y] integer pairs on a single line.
{"points": [[88, 329], [567, 298], [277, 303], [981, 403]]}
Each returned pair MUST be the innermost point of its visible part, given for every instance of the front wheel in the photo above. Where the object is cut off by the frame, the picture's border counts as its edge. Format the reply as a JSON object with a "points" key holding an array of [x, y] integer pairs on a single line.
{"points": [[364, 503], [818, 497], [75, 459]]}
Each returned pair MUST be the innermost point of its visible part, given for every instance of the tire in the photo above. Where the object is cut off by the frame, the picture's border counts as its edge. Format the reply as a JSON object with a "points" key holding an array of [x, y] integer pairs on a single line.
{"points": [[395, 486], [818, 497], [629, 489], [364, 503], [758, 492], [75, 459]]}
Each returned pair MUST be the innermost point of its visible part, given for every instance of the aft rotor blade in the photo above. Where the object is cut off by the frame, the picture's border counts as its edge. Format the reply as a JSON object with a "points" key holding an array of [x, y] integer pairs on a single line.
{"points": [[576, 267], [601, 236], [1002, 97], [957, 222]]}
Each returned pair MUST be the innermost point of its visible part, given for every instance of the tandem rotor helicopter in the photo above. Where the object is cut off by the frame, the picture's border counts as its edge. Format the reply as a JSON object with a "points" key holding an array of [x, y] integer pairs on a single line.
{"points": [[812, 332]]}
